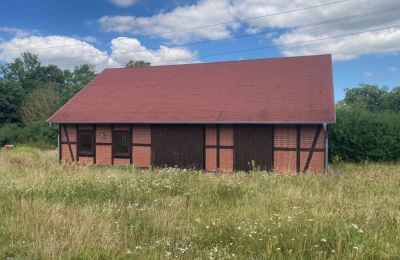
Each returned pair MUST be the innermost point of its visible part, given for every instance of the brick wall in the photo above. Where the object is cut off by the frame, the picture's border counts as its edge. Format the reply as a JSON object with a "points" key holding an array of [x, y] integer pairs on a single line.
{"points": [[285, 144], [141, 149], [103, 147], [141, 139], [222, 147], [68, 152]]}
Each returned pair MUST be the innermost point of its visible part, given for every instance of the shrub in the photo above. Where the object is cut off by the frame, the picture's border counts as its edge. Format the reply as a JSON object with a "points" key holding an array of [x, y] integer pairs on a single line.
{"points": [[37, 134], [9, 134], [361, 135]]}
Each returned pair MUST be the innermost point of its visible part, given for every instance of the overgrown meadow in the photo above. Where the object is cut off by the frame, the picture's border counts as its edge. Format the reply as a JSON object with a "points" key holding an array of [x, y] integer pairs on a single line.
{"points": [[51, 211]]}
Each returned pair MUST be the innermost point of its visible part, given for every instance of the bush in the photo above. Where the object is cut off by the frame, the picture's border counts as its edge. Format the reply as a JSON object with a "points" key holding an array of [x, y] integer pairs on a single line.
{"points": [[37, 134], [361, 135], [9, 134]]}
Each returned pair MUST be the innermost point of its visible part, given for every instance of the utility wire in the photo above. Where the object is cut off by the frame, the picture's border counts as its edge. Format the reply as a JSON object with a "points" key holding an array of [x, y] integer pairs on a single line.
{"points": [[195, 28], [267, 46], [248, 19], [362, 15], [284, 44], [249, 35]]}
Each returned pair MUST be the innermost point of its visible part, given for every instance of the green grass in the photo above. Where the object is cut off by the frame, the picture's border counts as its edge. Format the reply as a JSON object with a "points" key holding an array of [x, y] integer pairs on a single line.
{"points": [[56, 211]]}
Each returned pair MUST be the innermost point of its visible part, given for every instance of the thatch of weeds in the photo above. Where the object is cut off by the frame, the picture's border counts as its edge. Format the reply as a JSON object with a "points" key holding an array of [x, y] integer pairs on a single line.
{"points": [[52, 211]]}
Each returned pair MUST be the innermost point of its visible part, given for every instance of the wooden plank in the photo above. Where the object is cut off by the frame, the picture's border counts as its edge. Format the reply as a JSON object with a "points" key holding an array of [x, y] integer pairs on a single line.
{"points": [[302, 149], [273, 147], [59, 143], [177, 145], [298, 136], [94, 144], [252, 143], [220, 146], [314, 143], [77, 142], [112, 148], [217, 146], [130, 145], [204, 146]]}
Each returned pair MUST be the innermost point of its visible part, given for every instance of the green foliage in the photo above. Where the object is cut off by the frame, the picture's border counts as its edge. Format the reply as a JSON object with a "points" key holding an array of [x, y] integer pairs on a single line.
{"points": [[31, 92], [137, 64], [9, 134], [361, 135], [25, 71], [38, 134], [40, 103], [81, 75], [10, 99], [373, 98]]}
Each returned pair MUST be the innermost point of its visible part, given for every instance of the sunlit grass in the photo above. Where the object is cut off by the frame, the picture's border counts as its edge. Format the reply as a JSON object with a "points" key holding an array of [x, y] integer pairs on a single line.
{"points": [[49, 210]]}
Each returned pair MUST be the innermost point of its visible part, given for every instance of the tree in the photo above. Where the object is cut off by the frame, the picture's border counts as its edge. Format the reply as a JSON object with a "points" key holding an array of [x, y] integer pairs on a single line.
{"points": [[392, 100], [40, 104], [51, 74], [81, 75], [137, 64], [76, 80], [24, 71], [10, 100], [370, 97]]}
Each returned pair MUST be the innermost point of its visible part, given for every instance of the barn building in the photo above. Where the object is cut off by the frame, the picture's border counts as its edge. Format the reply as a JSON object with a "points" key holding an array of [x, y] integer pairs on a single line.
{"points": [[222, 116]]}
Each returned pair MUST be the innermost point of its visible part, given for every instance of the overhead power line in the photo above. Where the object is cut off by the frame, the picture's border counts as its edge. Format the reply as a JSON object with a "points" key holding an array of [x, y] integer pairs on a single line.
{"points": [[284, 44], [248, 19], [362, 15], [241, 36], [195, 28], [267, 46]]}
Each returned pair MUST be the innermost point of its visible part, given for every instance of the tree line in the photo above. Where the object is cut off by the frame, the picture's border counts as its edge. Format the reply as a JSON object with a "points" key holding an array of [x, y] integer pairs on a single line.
{"points": [[367, 127]]}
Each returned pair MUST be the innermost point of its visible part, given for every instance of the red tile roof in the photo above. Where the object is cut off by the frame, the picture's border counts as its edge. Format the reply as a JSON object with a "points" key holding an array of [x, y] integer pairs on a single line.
{"points": [[280, 90]]}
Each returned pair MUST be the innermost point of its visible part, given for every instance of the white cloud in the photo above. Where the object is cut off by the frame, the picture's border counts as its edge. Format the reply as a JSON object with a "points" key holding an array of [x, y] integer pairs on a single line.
{"points": [[202, 13], [208, 12], [393, 69], [123, 3], [125, 49], [60, 50], [343, 48], [68, 52]]}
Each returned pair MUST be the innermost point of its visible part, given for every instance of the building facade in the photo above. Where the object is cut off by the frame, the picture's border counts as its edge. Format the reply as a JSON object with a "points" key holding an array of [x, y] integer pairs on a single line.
{"points": [[283, 148], [267, 114]]}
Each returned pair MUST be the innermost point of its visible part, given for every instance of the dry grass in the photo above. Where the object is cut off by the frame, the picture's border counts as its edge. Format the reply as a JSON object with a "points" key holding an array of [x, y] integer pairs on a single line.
{"points": [[78, 212]]}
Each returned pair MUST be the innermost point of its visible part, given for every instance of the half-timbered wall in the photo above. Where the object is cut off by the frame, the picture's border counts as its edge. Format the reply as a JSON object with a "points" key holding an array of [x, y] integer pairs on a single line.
{"points": [[219, 148], [140, 144], [299, 148], [296, 148]]}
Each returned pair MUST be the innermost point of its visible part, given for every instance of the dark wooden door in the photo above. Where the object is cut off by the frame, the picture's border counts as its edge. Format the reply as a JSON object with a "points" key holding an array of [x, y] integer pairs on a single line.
{"points": [[177, 145], [253, 143]]}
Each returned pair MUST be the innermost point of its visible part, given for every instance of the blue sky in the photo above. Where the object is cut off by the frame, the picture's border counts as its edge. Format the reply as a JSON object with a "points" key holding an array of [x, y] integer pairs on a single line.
{"points": [[107, 33]]}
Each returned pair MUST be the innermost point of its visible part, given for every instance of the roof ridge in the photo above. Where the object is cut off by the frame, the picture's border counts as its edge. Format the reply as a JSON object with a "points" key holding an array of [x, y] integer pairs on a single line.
{"points": [[221, 62]]}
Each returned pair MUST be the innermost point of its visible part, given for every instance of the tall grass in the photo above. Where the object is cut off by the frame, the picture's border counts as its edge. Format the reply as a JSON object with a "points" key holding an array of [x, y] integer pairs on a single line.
{"points": [[57, 211]]}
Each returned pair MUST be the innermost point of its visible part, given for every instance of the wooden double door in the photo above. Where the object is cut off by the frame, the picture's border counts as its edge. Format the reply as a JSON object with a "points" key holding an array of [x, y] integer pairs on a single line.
{"points": [[183, 146], [177, 146]]}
